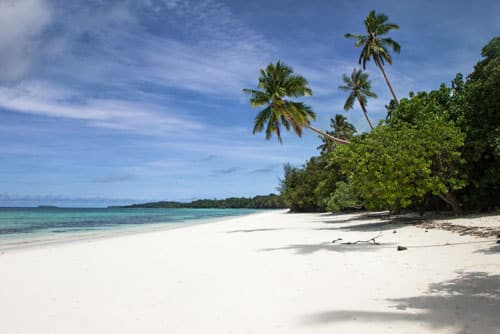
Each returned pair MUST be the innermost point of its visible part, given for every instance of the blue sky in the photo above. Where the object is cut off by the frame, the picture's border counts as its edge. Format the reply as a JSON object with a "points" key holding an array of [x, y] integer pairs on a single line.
{"points": [[107, 102]]}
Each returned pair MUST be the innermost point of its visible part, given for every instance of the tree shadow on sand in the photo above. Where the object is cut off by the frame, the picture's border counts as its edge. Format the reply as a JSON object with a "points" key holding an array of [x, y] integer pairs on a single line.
{"points": [[305, 249], [254, 230], [330, 218], [369, 222], [469, 303], [492, 250], [369, 227]]}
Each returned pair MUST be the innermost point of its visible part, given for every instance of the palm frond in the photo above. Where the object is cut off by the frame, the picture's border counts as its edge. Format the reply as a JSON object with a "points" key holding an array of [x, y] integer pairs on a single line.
{"points": [[356, 36], [276, 83], [391, 43], [368, 93], [261, 119], [349, 103], [372, 46], [257, 97]]}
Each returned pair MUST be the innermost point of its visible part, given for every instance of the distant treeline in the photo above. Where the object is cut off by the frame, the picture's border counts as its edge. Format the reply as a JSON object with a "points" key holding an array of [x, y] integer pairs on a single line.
{"points": [[270, 201]]}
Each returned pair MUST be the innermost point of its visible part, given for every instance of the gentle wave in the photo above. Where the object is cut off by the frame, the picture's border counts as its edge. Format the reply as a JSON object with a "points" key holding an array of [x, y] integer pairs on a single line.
{"points": [[23, 225]]}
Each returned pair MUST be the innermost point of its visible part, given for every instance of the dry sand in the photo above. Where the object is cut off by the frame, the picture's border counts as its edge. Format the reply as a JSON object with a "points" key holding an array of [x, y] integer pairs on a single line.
{"points": [[265, 273]]}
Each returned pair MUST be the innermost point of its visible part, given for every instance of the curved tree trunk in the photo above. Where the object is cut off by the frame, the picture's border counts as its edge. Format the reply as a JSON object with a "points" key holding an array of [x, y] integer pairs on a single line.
{"points": [[327, 136], [450, 198], [365, 112], [387, 80]]}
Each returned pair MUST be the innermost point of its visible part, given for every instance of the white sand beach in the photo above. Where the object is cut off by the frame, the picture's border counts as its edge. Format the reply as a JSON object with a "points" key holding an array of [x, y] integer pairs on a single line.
{"points": [[269, 272]]}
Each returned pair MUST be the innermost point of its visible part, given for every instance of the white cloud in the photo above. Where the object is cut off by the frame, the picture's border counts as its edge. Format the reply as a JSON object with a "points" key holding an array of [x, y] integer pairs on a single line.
{"points": [[219, 70], [159, 5], [217, 57], [47, 100], [21, 24], [325, 78]]}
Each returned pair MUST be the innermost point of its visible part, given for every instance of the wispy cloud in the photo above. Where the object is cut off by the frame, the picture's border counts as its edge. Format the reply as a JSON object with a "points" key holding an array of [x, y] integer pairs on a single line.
{"points": [[53, 101], [226, 171], [113, 179], [22, 22], [60, 200], [105, 79], [264, 170], [208, 158]]}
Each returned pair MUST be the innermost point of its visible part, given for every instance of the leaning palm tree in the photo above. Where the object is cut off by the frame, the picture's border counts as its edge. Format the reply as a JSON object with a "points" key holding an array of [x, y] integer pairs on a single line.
{"points": [[374, 47], [340, 128], [276, 83], [359, 88]]}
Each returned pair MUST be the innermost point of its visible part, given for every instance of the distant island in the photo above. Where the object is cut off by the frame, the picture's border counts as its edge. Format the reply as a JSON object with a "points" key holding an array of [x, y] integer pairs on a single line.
{"points": [[271, 201]]}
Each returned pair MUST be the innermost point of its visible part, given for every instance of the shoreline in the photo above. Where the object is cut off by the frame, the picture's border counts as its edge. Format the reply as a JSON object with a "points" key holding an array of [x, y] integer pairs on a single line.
{"points": [[269, 272], [22, 244]]}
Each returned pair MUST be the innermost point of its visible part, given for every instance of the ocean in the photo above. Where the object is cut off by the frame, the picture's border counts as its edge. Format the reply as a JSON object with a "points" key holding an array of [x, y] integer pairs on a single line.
{"points": [[31, 226]]}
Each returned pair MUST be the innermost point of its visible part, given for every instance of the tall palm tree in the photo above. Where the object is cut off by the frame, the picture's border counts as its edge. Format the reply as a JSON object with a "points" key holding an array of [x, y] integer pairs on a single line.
{"points": [[359, 88], [276, 83], [340, 128], [375, 47]]}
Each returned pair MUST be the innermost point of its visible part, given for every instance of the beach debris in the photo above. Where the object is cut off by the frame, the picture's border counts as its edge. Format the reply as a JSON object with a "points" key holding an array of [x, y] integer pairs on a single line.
{"points": [[338, 239], [401, 248], [498, 241], [476, 231], [372, 241], [394, 231]]}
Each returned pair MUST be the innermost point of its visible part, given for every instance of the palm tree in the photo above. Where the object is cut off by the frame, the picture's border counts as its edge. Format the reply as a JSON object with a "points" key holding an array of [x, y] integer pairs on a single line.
{"points": [[276, 83], [359, 87], [341, 128], [376, 47]]}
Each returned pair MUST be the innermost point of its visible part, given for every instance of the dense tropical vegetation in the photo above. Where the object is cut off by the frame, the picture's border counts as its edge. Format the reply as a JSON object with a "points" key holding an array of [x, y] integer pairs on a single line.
{"points": [[271, 201], [435, 150]]}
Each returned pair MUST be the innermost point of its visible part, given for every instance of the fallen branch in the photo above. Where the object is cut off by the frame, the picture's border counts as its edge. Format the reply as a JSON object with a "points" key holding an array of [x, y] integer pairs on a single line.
{"points": [[369, 241]]}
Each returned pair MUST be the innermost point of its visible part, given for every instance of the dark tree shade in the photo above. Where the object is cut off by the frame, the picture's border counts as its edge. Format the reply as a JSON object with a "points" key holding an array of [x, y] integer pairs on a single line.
{"points": [[481, 125]]}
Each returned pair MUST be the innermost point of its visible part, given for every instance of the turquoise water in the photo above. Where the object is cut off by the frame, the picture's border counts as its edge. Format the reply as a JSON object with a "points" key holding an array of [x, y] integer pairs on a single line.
{"points": [[34, 225]]}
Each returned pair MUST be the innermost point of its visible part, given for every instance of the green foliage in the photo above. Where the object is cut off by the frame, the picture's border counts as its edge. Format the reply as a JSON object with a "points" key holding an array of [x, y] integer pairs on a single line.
{"points": [[299, 184], [481, 124], [270, 201], [276, 83], [443, 143], [444, 103], [344, 197], [376, 25], [395, 165], [341, 128], [374, 45], [359, 88], [309, 188]]}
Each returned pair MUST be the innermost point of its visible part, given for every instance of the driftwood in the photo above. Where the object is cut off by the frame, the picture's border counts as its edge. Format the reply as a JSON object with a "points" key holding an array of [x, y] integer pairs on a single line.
{"points": [[476, 231], [369, 241]]}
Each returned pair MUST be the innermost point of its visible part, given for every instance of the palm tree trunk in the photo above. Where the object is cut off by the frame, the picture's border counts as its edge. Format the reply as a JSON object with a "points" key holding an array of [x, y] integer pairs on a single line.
{"points": [[327, 136], [366, 113], [387, 80]]}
